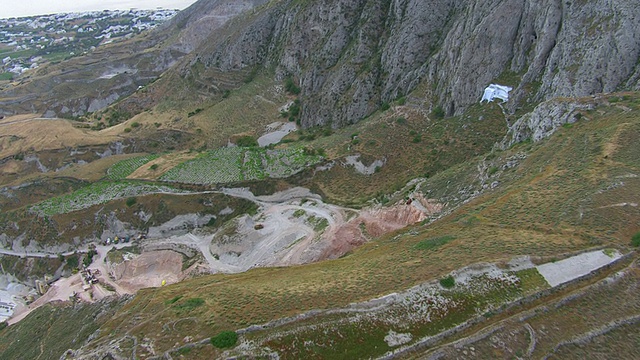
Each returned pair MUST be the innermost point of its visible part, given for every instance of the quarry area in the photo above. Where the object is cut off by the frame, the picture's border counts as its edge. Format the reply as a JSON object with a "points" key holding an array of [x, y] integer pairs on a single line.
{"points": [[291, 227]]}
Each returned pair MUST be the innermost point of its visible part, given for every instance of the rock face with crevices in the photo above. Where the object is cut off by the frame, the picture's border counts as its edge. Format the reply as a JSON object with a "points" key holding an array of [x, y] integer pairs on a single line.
{"points": [[350, 56]]}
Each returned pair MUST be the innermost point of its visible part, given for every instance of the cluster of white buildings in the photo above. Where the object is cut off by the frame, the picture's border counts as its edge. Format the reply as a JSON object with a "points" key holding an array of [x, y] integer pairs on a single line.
{"points": [[27, 42]]}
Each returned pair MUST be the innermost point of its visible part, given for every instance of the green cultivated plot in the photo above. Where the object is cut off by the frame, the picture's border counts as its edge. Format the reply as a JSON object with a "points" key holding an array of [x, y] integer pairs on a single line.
{"points": [[98, 193], [234, 164], [124, 168]]}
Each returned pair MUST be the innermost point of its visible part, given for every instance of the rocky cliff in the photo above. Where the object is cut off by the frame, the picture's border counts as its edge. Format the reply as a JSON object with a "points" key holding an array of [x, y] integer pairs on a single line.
{"points": [[350, 56]]}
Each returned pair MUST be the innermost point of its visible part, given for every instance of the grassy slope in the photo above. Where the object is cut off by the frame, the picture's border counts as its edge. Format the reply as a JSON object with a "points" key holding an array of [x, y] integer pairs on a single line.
{"points": [[50, 331], [564, 196], [536, 210]]}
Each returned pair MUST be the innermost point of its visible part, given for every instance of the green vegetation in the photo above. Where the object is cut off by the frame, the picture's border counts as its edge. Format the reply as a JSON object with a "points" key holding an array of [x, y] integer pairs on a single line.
{"points": [[447, 282], [72, 262], [6, 76], [95, 194], [225, 339], [124, 168], [52, 329], [233, 164], [434, 243], [247, 141], [635, 240], [290, 86], [438, 112], [189, 304], [130, 201], [88, 259]]}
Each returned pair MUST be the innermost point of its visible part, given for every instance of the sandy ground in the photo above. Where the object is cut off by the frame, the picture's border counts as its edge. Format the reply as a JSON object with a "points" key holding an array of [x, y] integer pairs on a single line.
{"points": [[61, 290], [64, 288], [562, 271], [149, 269]]}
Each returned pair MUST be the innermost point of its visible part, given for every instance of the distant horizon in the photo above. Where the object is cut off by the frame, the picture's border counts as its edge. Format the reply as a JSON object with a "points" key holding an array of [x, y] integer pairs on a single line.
{"points": [[26, 8]]}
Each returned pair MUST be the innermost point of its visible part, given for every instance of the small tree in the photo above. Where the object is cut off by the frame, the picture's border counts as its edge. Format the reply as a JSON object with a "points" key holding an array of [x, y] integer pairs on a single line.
{"points": [[448, 282], [225, 339], [247, 141], [635, 240], [131, 201]]}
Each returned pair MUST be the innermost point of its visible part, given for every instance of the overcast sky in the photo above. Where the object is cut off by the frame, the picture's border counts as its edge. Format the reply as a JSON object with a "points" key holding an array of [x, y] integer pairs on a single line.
{"points": [[17, 8]]}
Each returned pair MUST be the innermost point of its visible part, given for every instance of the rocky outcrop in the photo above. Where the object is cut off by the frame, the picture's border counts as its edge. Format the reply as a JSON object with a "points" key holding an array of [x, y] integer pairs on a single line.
{"points": [[544, 120], [350, 56]]}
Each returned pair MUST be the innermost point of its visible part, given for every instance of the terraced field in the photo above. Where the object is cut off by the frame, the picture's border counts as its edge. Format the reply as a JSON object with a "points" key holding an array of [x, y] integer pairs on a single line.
{"points": [[124, 168], [233, 164], [98, 193]]}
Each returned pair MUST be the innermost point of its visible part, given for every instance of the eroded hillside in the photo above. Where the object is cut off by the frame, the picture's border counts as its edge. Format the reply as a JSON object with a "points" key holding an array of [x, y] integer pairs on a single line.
{"points": [[307, 176]]}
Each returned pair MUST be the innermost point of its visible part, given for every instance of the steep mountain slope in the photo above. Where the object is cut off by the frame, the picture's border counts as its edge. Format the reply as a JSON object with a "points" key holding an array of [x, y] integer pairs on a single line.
{"points": [[349, 57]]}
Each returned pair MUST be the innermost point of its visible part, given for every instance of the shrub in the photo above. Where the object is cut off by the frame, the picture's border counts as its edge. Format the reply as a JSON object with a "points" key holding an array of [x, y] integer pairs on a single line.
{"points": [[225, 339], [290, 86], [173, 300], [448, 282], [154, 167], [190, 304], [438, 112], [127, 130], [401, 120], [635, 240], [72, 262], [402, 101], [247, 141], [89, 258], [294, 109], [3, 325], [135, 124], [385, 106], [131, 201]]}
